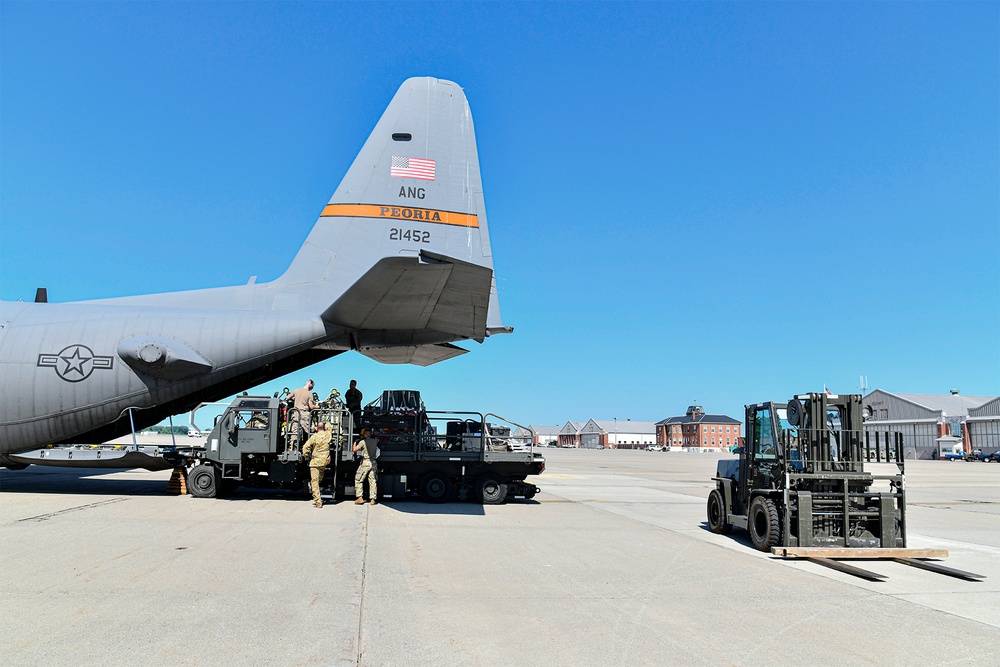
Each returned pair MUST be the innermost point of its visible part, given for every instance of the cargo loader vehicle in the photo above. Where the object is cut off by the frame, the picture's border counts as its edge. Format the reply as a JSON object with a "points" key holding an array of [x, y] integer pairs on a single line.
{"points": [[437, 456], [800, 487], [441, 455]]}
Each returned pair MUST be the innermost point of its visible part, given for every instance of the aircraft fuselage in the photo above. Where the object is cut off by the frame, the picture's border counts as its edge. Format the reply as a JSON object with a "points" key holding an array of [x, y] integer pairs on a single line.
{"points": [[71, 367]]}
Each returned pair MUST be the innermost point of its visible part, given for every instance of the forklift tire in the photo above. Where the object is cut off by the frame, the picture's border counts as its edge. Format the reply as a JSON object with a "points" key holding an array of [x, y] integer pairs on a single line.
{"points": [[435, 487], [717, 514], [490, 490], [201, 481], [764, 524]]}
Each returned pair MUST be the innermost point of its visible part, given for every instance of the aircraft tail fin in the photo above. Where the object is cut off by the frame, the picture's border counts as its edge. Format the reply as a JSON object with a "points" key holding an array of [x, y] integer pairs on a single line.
{"points": [[401, 253]]}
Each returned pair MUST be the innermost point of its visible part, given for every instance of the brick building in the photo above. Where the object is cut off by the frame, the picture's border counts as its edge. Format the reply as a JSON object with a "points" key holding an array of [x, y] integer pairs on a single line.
{"points": [[697, 430]]}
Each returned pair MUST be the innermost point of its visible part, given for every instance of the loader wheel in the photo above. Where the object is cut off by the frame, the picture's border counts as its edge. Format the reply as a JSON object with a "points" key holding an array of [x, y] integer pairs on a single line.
{"points": [[491, 490], [435, 487], [201, 481], [717, 514], [763, 523]]}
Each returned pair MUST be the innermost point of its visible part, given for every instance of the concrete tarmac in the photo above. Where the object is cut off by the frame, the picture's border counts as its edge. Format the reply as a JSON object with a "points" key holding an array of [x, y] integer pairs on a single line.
{"points": [[611, 564]]}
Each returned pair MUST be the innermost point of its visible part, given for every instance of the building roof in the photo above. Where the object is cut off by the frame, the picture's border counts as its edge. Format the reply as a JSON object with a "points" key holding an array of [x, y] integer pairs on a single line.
{"points": [[546, 430], [700, 419], [952, 405], [987, 409], [571, 427], [624, 426]]}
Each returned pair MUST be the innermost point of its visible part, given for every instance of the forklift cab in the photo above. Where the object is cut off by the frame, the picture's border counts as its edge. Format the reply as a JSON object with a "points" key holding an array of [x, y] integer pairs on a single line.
{"points": [[761, 459]]}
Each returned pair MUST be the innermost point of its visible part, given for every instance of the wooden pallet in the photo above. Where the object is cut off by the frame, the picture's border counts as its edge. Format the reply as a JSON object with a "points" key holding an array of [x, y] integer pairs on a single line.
{"points": [[856, 553], [832, 557]]}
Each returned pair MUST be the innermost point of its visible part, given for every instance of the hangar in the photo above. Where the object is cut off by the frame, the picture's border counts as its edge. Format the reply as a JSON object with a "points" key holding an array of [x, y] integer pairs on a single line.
{"points": [[569, 434], [542, 435], [607, 433], [984, 426], [617, 434], [923, 418]]}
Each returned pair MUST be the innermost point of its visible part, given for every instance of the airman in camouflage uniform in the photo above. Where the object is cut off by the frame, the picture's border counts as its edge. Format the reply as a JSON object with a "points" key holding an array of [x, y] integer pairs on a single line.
{"points": [[302, 406], [367, 445], [316, 452]]}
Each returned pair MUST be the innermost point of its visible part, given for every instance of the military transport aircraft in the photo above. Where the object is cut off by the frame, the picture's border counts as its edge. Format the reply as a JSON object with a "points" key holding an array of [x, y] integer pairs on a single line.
{"points": [[398, 267]]}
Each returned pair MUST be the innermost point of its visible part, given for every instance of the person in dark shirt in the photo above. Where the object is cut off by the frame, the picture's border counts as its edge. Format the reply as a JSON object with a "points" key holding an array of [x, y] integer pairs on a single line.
{"points": [[352, 399]]}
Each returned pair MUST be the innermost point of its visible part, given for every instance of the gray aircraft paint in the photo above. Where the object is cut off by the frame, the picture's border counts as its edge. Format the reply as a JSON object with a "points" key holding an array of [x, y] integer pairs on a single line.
{"points": [[72, 370]]}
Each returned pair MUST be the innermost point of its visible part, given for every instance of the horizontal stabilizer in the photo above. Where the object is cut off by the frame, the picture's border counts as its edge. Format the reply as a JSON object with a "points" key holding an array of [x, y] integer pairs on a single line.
{"points": [[420, 355], [429, 292]]}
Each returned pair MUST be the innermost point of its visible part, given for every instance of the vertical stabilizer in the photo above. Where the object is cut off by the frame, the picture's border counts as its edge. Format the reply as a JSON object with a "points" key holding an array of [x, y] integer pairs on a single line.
{"points": [[409, 212]]}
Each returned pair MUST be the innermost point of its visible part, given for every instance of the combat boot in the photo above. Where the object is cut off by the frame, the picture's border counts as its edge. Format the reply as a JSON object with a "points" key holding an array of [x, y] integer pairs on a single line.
{"points": [[373, 502], [359, 501]]}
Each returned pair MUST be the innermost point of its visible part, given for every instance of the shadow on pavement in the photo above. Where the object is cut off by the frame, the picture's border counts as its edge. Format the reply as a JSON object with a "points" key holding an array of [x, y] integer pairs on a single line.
{"points": [[82, 481], [416, 506], [137, 482], [738, 535]]}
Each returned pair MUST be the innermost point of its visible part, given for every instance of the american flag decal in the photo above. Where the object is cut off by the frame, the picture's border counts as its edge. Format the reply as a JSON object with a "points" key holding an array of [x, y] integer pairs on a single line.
{"points": [[412, 167]]}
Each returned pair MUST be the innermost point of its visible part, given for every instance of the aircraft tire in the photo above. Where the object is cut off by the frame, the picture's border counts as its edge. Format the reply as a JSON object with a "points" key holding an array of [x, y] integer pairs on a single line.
{"points": [[764, 524], [435, 487], [717, 522], [490, 490], [202, 481], [5, 462]]}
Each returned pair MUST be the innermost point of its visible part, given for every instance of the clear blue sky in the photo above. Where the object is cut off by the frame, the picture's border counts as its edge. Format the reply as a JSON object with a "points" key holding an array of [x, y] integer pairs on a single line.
{"points": [[720, 203]]}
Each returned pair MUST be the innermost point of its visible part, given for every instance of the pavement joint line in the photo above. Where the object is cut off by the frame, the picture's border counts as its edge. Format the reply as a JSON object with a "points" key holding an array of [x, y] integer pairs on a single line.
{"points": [[45, 517], [364, 565], [952, 503], [906, 597], [618, 501], [956, 544], [782, 561]]}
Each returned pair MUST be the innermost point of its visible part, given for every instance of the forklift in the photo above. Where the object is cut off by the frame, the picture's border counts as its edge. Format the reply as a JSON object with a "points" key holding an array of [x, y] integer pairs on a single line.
{"points": [[800, 487], [800, 479]]}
